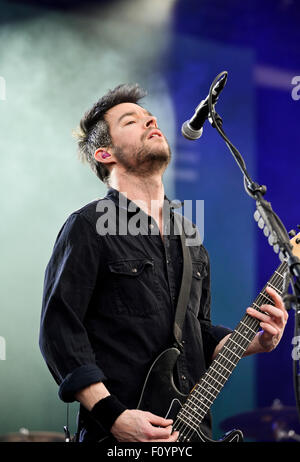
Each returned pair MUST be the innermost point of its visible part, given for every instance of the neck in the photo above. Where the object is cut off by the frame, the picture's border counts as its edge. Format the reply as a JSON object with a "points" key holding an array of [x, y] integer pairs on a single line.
{"points": [[147, 193]]}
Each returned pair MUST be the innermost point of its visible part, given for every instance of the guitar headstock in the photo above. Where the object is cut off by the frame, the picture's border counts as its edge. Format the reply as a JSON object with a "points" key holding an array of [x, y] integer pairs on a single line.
{"points": [[295, 241], [272, 237]]}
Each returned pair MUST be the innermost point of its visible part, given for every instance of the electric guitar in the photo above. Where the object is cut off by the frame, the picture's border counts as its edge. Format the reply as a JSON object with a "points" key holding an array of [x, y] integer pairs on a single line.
{"points": [[160, 395]]}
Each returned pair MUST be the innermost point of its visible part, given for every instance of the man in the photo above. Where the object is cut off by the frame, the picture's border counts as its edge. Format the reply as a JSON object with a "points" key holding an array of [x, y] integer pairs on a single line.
{"points": [[110, 296]]}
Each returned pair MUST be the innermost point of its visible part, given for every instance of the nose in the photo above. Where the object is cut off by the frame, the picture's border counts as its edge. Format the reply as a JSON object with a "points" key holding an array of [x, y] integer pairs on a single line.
{"points": [[151, 121]]}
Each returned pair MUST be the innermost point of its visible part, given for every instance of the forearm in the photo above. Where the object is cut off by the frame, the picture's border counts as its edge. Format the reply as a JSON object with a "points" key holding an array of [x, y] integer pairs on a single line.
{"points": [[220, 346], [90, 395], [132, 425], [253, 348]]}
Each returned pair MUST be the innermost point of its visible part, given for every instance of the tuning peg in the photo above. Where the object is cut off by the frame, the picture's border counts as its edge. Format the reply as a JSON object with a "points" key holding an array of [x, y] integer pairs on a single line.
{"points": [[292, 233], [272, 239], [266, 231], [261, 223], [256, 215], [276, 248], [281, 257]]}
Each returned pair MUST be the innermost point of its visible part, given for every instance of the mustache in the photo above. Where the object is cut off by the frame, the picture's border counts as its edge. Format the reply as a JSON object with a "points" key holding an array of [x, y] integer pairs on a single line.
{"points": [[146, 134]]}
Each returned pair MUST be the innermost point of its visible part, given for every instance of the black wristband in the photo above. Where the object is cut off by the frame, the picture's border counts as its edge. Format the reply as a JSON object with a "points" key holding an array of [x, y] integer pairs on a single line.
{"points": [[107, 410]]}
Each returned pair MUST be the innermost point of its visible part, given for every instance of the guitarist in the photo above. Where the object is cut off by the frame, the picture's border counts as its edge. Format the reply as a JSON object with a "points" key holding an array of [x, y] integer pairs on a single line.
{"points": [[109, 296]]}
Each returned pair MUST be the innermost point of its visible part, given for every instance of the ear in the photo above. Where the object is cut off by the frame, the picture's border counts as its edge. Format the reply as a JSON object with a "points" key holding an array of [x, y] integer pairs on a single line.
{"points": [[103, 155]]}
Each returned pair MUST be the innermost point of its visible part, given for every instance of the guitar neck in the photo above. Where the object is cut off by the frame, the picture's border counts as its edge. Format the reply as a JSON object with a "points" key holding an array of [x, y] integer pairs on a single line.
{"points": [[205, 392]]}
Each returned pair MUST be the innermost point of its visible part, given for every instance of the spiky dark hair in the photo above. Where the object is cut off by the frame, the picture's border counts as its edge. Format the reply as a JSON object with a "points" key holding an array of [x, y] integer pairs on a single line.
{"points": [[93, 131]]}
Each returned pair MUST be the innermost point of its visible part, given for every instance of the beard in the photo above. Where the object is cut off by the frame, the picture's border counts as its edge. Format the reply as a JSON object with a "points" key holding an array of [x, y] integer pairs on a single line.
{"points": [[144, 161]]}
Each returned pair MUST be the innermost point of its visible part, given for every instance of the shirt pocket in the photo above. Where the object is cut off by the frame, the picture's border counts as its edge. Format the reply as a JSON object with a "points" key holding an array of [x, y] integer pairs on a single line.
{"points": [[199, 273], [135, 286]]}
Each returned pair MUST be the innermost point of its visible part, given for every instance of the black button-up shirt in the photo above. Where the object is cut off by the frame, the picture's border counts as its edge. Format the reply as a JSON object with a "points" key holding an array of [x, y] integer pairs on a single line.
{"points": [[109, 302]]}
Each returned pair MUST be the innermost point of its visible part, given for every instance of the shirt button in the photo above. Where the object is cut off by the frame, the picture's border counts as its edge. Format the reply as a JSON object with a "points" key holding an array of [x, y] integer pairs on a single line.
{"points": [[134, 270], [151, 226], [183, 377], [198, 274]]}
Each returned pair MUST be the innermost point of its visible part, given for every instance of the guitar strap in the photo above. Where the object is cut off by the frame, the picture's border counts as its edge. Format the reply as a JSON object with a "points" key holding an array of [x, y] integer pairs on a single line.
{"points": [[186, 280]]}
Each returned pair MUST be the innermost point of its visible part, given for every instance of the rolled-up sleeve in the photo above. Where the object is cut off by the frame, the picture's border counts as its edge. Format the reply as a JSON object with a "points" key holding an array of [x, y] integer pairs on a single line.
{"points": [[211, 334], [70, 278]]}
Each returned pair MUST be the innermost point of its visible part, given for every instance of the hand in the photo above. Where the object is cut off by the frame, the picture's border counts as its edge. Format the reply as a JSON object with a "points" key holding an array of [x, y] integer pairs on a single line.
{"points": [[272, 323], [136, 425]]}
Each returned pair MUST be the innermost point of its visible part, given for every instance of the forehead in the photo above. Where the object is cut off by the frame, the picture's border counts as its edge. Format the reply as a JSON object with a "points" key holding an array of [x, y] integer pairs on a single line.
{"points": [[114, 114]]}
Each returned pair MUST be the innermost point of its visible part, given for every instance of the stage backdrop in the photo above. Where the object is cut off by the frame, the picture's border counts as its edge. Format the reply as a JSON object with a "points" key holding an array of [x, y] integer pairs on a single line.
{"points": [[54, 66]]}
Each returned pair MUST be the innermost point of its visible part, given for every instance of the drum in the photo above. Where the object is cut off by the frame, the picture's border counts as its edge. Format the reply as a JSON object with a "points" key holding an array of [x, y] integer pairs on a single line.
{"points": [[26, 436]]}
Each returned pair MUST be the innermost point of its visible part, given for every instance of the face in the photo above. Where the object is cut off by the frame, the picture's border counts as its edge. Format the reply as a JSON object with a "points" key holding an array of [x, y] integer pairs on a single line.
{"points": [[138, 145]]}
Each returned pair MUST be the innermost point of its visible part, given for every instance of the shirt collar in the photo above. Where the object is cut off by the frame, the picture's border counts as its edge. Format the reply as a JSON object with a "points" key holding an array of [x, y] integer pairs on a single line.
{"points": [[123, 202]]}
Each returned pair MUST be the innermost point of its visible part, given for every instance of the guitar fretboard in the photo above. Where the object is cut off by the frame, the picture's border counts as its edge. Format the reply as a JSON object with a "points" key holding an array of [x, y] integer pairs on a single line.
{"points": [[205, 392]]}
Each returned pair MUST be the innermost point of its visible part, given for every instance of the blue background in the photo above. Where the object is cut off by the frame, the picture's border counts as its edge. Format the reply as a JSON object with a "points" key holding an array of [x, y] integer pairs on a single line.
{"points": [[57, 58]]}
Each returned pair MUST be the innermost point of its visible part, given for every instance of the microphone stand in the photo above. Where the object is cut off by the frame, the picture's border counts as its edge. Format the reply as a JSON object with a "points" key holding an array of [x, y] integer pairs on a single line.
{"points": [[273, 229]]}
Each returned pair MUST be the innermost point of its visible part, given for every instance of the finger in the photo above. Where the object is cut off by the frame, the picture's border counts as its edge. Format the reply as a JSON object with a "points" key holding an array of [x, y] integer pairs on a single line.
{"points": [[276, 298], [276, 313], [270, 313], [155, 433], [258, 314], [172, 438], [157, 420], [270, 328]]}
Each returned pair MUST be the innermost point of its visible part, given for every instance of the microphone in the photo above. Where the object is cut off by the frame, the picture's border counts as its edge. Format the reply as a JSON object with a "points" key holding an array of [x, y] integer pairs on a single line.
{"points": [[192, 129]]}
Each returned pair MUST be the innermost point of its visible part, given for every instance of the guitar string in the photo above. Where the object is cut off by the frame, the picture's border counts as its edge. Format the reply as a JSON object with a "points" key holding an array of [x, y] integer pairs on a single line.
{"points": [[249, 323], [222, 366], [242, 346], [191, 430], [214, 385], [204, 395]]}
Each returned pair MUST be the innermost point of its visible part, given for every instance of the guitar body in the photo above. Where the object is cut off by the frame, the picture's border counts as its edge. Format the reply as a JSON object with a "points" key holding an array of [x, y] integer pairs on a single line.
{"points": [[161, 397]]}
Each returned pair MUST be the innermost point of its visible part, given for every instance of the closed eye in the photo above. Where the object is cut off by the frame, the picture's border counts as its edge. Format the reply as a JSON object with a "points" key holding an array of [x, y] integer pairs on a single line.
{"points": [[130, 122]]}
